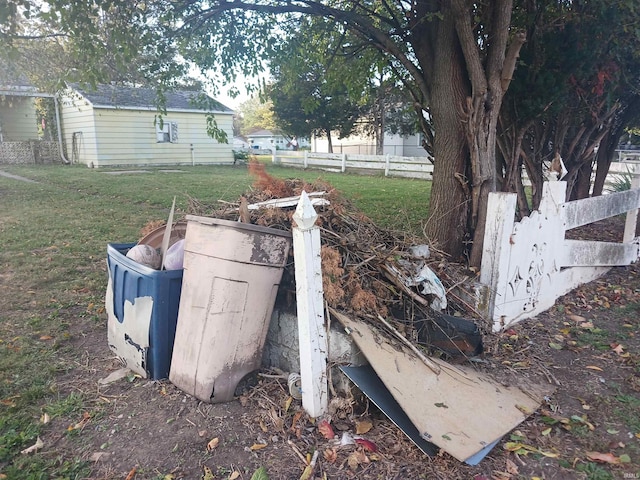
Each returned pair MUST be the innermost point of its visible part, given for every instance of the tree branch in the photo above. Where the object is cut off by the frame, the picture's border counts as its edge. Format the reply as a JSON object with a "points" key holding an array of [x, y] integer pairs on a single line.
{"points": [[510, 60]]}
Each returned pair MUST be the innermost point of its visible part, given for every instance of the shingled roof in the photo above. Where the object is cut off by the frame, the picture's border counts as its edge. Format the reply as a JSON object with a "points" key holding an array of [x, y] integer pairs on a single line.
{"points": [[112, 96]]}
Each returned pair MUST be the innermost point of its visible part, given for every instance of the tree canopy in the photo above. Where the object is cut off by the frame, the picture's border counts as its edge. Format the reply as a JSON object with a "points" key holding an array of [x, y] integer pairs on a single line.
{"points": [[494, 85]]}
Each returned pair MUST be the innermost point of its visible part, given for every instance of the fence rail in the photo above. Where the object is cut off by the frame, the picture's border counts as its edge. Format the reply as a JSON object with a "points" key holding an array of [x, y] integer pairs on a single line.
{"points": [[390, 165], [527, 265], [626, 165]]}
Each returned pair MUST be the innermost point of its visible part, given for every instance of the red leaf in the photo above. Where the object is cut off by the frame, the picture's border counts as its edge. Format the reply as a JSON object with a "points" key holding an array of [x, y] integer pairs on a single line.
{"points": [[603, 457], [368, 445], [326, 430]]}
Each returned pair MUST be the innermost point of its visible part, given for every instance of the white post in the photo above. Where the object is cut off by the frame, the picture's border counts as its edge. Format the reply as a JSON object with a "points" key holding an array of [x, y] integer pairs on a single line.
{"points": [[387, 161], [310, 307], [632, 215], [344, 162], [494, 268], [274, 157]]}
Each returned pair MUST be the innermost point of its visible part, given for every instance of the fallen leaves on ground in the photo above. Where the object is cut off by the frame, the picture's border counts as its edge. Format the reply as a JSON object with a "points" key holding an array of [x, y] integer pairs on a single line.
{"points": [[608, 458], [325, 428]]}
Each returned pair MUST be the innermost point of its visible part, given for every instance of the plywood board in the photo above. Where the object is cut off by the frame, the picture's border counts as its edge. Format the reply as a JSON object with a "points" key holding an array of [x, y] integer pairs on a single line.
{"points": [[460, 410], [370, 384]]}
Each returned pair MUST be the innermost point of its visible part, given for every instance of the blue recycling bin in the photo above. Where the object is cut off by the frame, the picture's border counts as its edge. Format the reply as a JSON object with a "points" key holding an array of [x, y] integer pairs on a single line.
{"points": [[142, 308]]}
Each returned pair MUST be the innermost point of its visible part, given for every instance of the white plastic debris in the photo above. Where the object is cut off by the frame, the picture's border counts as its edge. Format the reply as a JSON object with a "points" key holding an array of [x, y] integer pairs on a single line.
{"points": [[431, 284], [420, 275], [420, 251]]}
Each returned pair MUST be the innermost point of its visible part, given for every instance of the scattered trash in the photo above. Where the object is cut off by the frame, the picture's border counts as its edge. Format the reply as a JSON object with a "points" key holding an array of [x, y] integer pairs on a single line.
{"points": [[145, 255], [295, 386], [174, 258], [460, 410], [420, 275], [114, 376]]}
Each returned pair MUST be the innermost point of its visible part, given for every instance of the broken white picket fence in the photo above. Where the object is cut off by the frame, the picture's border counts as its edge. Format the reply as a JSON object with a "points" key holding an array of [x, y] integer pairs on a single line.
{"points": [[527, 265]]}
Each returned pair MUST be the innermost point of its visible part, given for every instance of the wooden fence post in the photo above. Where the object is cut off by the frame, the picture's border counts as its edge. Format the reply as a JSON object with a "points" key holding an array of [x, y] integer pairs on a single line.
{"points": [[387, 162], [344, 163], [306, 159], [495, 252], [310, 308]]}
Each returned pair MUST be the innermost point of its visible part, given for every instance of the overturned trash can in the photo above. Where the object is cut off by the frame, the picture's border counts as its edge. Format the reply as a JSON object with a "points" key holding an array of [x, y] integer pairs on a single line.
{"points": [[232, 271]]}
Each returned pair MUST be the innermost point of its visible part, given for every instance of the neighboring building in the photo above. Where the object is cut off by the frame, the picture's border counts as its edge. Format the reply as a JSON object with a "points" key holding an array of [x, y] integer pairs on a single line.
{"points": [[240, 143], [18, 120], [22, 136], [266, 140], [115, 126], [409, 146]]}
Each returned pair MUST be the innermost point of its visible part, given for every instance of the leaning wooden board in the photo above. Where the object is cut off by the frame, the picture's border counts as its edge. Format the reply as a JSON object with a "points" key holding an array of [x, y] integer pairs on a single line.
{"points": [[459, 409]]}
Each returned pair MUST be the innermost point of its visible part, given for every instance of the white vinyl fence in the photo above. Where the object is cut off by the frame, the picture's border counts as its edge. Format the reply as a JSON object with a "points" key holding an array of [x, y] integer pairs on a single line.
{"points": [[390, 165], [626, 165], [527, 265]]}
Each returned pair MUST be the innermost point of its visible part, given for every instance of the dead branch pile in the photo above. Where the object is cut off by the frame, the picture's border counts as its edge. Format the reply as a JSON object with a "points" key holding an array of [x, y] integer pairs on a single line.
{"points": [[358, 258]]}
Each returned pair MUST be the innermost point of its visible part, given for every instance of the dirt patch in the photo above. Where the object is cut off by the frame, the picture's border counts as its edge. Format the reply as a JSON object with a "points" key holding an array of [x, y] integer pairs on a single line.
{"points": [[587, 347]]}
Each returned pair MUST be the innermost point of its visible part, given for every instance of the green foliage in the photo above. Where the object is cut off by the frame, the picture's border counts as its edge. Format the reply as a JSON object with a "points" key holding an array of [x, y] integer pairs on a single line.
{"points": [[257, 114], [260, 474], [620, 182], [240, 156], [318, 88]]}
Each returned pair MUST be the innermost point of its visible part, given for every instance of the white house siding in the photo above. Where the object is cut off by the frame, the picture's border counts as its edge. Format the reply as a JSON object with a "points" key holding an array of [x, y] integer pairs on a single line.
{"points": [[18, 119], [128, 137], [361, 145], [77, 118]]}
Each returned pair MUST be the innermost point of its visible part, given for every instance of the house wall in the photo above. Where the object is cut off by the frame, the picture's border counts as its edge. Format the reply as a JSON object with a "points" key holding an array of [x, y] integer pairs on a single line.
{"points": [[128, 137], [78, 130], [113, 137], [18, 119], [360, 145]]}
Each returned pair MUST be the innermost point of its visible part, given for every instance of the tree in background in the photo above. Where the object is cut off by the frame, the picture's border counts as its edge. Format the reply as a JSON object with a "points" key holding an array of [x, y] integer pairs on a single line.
{"points": [[574, 94], [312, 88], [256, 114]]}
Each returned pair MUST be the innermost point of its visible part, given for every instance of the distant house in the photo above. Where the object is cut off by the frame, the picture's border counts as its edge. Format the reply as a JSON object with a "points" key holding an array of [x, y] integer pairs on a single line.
{"points": [[22, 134], [404, 146], [266, 139], [115, 126], [240, 143]]}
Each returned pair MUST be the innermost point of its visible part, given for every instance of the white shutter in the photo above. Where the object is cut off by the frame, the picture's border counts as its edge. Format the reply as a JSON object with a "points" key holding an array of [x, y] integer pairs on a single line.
{"points": [[173, 132]]}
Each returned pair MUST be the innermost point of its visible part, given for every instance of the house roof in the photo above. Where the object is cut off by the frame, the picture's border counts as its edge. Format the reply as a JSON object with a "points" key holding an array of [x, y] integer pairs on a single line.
{"points": [[113, 96]]}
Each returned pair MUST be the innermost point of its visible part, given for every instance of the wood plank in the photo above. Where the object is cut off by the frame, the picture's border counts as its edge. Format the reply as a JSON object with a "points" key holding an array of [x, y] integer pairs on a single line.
{"points": [[582, 253], [589, 210], [460, 410]]}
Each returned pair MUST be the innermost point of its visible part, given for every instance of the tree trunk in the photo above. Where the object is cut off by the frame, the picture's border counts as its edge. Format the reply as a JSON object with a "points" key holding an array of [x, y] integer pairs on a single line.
{"points": [[583, 181], [329, 142], [489, 78], [449, 205], [604, 158]]}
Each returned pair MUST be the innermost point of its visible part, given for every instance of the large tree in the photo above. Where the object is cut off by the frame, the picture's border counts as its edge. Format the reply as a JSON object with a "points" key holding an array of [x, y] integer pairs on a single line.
{"points": [[457, 57]]}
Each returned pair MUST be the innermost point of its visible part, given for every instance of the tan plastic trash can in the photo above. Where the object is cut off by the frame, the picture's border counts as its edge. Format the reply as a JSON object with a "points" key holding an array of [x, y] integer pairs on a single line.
{"points": [[231, 275]]}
